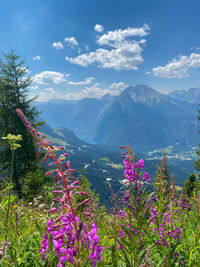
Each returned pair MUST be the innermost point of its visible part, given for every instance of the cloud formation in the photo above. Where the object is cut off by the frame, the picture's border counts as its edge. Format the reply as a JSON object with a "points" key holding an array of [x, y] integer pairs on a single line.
{"points": [[87, 81], [98, 28], [37, 58], [93, 91], [47, 94], [118, 86], [122, 53], [71, 41], [49, 77], [58, 45], [113, 38], [178, 68]]}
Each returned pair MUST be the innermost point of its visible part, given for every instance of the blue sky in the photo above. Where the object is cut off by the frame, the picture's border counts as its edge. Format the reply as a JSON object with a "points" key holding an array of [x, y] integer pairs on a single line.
{"points": [[86, 48]]}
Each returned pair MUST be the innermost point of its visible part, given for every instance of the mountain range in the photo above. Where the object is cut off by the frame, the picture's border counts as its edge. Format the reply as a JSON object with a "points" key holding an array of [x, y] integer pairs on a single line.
{"points": [[139, 116], [102, 164], [192, 95]]}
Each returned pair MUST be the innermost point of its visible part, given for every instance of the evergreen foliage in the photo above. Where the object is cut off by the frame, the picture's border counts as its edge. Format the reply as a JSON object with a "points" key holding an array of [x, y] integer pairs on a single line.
{"points": [[14, 80], [191, 185]]}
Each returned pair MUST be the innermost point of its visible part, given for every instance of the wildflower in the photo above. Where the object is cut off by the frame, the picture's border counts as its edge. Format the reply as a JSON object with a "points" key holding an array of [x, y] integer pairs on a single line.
{"points": [[68, 239], [139, 164], [145, 176], [121, 234]]}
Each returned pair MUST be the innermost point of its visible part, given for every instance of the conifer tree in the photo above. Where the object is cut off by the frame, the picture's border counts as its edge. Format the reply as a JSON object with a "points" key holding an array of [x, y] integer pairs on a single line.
{"points": [[190, 184], [14, 80]]}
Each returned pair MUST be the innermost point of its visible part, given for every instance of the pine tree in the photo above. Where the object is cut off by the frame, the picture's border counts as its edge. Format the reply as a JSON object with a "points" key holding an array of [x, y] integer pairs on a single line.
{"points": [[189, 185], [14, 80]]}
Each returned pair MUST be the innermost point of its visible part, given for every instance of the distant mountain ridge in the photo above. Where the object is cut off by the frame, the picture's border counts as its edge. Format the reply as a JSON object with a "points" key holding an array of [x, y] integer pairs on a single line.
{"points": [[147, 119], [81, 116], [139, 116], [192, 95]]}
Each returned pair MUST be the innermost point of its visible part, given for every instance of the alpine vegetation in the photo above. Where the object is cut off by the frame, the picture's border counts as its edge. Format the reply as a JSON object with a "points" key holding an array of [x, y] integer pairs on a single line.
{"points": [[149, 223]]}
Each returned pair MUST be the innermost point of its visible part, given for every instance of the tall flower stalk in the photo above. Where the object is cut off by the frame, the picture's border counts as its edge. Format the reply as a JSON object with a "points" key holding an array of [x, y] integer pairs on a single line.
{"points": [[12, 140], [73, 240], [133, 221]]}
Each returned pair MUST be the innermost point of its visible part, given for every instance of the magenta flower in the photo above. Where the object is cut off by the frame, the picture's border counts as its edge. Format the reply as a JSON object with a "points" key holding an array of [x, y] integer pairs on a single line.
{"points": [[139, 164], [145, 176], [67, 237]]}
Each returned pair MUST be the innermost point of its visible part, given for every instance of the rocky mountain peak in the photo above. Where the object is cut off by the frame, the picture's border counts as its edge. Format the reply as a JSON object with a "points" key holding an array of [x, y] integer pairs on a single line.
{"points": [[142, 94]]}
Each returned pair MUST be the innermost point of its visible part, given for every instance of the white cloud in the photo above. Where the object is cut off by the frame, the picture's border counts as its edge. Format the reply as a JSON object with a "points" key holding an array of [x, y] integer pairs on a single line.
{"points": [[118, 86], [49, 77], [87, 81], [93, 91], [33, 87], [72, 41], [127, 56], [114, 37], [96, 92], [47, 94], [99, 28], [37, 58], [178, 68], [124, 54], [148, 72], [79, 50], [197, 48], [50, 90], [58, 45]]}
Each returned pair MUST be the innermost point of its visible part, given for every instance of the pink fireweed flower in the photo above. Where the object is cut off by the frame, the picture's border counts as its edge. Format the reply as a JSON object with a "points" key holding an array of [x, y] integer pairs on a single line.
{"points": [[139, 164], [63, 155], [44, 247], [121, 234], [129, 172], [121, 213], [63, 199], [64, 239], [84, 202], [57, 191], [123, 147], [51, 210], [70, 235], [50, 172], [145, 176]]}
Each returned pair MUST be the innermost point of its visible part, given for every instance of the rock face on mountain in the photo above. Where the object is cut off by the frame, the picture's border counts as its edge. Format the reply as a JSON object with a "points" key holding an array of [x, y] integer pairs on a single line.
{"points": [[139, 116], [192, 95], [146, 119]]}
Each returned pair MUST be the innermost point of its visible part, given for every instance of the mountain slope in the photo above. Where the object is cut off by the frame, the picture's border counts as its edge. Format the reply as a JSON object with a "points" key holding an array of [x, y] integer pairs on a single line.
{"points": [[148, 120], [192, 95], [139, 116], [102, 163], [81, 116]]}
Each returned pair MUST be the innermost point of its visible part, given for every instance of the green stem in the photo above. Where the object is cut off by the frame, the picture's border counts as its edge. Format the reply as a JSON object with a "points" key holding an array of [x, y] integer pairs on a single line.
{"points": [[9, 192]]}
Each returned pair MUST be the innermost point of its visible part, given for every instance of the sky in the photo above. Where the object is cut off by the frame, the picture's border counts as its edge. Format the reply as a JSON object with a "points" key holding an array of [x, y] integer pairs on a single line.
{"points": [[86, 48]]}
